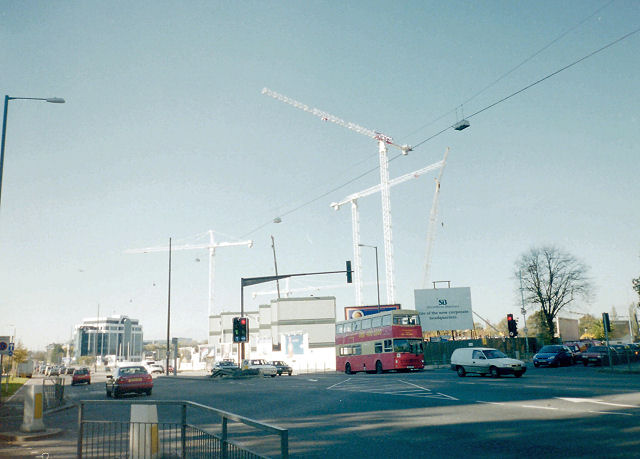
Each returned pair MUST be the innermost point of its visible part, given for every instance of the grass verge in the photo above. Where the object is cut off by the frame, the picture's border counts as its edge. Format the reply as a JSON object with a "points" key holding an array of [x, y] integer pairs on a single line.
{"points": [[15, 383]]}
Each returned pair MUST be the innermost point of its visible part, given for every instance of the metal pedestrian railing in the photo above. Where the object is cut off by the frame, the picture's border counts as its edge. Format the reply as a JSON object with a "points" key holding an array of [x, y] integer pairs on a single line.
{"points": [[52, 392], [176, 438]]}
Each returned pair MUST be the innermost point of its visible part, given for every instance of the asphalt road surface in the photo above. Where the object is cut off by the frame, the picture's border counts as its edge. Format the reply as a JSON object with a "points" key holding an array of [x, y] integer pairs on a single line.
{"points": [[572, 412]]}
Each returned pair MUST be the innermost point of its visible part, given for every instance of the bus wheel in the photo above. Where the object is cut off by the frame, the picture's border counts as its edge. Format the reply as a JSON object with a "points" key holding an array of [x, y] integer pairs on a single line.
{"points": [[347, 368], [379, 367]]}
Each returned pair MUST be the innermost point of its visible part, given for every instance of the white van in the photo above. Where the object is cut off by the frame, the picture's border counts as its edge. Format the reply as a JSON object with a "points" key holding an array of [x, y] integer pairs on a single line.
{"points": [[485, 360]]}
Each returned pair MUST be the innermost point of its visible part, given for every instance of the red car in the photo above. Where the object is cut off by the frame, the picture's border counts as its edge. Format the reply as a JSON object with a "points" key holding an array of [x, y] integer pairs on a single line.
{"points": [[127, 379], [80, 376]]}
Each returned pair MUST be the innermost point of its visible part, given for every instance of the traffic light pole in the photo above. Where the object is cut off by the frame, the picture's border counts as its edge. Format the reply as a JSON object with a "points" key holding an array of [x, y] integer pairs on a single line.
{"points": [[246, 281]]}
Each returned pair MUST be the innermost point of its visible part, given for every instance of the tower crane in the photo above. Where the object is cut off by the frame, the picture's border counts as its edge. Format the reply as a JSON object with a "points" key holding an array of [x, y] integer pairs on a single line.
{"points": [[431, 231], [211, 246], [355, 223], [383, 140]]}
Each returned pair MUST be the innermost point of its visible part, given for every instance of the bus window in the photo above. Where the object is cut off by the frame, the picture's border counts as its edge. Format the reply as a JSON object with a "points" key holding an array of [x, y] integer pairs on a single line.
{"points": [[357, 325], [366, 323], [357, 349], [376, 322], [386, 320], [378, 347], [412, 346], [388, 347], [347, 328], [339, 329], [406, 320]]}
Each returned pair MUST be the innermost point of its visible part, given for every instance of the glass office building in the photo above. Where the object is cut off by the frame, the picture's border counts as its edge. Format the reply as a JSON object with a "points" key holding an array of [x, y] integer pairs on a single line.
{"points": [[117, 336]]}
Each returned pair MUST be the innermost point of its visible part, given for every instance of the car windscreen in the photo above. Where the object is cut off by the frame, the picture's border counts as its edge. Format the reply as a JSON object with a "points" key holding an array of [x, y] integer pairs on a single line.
{"points": [[550, 349], [494, 354]]}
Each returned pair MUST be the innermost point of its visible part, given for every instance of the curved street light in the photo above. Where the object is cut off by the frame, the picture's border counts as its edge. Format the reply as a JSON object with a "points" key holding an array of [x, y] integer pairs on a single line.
{"points": [[51, 100]]}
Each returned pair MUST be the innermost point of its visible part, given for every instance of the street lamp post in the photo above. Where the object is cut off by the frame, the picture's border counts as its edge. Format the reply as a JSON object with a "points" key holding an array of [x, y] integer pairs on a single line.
{"points": [[377, 271], [52, 100]]}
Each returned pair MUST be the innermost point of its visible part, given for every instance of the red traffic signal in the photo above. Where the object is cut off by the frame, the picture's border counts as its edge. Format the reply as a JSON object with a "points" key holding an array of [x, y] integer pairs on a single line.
{"points": [[513, 326]]}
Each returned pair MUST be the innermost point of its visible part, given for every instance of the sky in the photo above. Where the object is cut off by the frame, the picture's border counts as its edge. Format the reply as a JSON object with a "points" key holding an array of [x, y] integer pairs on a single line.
{"points": [[165, 134]]}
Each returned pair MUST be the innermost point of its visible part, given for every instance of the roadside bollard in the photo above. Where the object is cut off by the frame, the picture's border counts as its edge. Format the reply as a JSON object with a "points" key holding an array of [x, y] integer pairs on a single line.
{"points": [[33, 407], [143, 432]]}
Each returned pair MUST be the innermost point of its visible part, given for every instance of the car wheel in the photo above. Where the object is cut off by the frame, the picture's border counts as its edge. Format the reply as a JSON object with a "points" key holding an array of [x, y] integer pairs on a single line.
{"points": [[518, 374], [273, 376], [493, 371], [108, 393], [289, 373], [115, 393], [347, 368], [379, 367], [460, 371], [585, 363], [536, 364], [148, 391]]}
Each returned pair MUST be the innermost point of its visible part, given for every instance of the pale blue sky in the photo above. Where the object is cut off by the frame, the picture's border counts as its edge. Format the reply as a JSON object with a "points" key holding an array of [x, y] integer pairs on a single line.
{"points": [[165, 133]]}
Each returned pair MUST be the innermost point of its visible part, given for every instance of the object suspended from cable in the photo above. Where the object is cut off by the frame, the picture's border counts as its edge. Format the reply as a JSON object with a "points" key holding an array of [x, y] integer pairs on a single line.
{"points": [[463, 123]]}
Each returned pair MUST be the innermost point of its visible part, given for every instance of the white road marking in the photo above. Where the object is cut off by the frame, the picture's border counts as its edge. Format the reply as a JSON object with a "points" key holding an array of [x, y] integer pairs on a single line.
{"points": [[337, 384], [490, 403], [539, 407], [610, 412], [599, 402], [388, 387]]}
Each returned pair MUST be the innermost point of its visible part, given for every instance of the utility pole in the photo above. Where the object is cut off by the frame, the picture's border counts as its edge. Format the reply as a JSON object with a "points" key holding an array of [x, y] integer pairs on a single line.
{"points": [[275, 263], [168, 311], [524, 316]]}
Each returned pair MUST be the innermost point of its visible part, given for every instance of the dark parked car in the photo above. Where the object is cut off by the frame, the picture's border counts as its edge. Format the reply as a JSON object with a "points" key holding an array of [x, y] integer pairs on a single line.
{"points": [[281, 367], [626, 352], [130, 378], [598, 355], [80, 376], [553, 355]]}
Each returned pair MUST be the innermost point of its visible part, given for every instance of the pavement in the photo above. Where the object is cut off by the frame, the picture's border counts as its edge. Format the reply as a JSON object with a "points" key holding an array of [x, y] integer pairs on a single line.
{"points": [[15, 443]]}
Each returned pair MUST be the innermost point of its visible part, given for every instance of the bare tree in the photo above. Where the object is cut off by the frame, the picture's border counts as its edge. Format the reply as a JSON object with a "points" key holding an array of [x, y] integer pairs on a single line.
{"points": [[551, 280]]}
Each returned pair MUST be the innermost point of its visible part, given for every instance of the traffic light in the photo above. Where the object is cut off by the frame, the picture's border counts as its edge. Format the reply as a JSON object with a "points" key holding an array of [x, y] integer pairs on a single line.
{"points": [[244, 330], [240, 329], [236, 329], [349, 272], [513, 326], [605, 321]]}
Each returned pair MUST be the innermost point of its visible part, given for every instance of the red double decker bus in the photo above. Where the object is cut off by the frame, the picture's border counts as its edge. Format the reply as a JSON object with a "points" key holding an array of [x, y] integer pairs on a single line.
{"points": [[390, 340]]}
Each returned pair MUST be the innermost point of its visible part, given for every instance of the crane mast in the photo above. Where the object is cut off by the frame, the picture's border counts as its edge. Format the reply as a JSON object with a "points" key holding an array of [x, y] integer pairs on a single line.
{"points": [[431, 231], [355, 219], [383, 140]]}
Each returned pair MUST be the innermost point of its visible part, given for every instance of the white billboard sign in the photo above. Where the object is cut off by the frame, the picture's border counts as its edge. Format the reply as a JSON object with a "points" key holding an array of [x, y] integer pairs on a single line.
{"points": [[444, 308]]}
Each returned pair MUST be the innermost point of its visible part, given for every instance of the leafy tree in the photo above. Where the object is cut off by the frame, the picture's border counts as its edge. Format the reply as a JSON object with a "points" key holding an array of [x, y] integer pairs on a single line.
{"points": [[591, 327], [551, 280], [537, 326], [20, 355]]}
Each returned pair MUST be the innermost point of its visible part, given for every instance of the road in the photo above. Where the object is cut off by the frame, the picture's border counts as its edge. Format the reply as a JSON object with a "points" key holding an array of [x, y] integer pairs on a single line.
{"points": [[573, 412]]}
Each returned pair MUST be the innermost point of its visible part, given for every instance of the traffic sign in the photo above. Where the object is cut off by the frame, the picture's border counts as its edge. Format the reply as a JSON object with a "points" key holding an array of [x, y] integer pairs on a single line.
{"points": [[5, 341]]}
